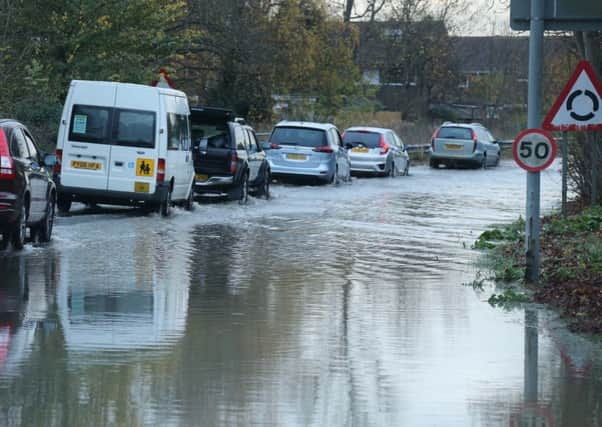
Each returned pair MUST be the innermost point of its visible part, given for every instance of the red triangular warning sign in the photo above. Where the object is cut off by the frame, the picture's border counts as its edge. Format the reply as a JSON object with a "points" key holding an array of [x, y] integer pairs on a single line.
{"points": [[579, 106]]}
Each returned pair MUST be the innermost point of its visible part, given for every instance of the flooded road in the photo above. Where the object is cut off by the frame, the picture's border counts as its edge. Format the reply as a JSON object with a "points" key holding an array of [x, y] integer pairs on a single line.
{"points": [[323, 306]]}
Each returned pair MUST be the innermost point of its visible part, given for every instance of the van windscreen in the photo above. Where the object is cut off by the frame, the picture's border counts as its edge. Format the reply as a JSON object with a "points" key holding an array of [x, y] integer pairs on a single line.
{"points": [[135, 128], [89, 124]]}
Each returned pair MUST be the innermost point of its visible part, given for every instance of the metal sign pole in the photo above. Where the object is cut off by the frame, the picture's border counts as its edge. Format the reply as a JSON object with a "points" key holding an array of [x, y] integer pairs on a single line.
{"points": [[565, 171], [534, 121]]}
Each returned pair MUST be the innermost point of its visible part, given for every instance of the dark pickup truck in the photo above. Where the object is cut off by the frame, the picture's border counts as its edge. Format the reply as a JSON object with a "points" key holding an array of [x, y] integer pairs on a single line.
{"points": [[228, 160]]}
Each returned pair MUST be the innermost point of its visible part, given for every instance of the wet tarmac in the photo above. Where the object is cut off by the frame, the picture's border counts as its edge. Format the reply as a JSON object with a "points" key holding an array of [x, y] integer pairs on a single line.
{"points": [[321, 307]]}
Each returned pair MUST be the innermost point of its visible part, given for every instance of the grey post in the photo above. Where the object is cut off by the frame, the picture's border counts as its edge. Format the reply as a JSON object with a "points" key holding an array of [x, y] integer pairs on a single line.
{"points": [[534, 121], [565, 163]]}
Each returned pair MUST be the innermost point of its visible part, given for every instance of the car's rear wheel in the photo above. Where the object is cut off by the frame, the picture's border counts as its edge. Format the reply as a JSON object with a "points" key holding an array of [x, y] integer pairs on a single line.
{"points": [[43, 231], [5, 238], [406, 170], [434, 163], [19, 230], [392, 171], [335, 177], [484, 162]]}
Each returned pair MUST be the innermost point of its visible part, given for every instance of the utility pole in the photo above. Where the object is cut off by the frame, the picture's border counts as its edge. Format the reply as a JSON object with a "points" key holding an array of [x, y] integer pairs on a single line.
{"points": [[534, 121]]}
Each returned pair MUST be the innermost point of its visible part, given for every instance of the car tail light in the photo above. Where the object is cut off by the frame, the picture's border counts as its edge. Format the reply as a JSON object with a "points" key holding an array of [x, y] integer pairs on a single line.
{"points": [[59, 161], [233, 163], [435, 135], [384, 145], [161, 171], [7, 169], [474, 141], [323, 149], [274, 146]]}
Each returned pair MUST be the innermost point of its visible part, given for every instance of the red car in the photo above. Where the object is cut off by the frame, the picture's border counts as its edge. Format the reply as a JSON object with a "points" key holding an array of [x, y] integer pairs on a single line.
{"points": [[27, 192]]}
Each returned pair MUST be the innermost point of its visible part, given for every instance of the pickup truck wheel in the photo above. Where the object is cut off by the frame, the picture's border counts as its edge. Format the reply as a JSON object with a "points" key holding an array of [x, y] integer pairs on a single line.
{"points": [[189, 203], [5, 238], [19, 230], [243, 190], [165, 208], [264, 190], [64, 205]]}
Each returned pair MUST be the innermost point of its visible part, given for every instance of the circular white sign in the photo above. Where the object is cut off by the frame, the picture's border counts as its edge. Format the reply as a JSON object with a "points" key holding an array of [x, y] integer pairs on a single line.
{"points": [[534, 150]]}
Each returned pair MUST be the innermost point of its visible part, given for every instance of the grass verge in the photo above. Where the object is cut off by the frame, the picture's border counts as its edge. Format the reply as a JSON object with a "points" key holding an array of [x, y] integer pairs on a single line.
{"points": [[571, 266]]}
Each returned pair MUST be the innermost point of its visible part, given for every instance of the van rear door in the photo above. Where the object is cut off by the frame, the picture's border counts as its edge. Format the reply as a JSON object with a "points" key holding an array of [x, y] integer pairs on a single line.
{"points": [[212, 152], [87, 146], [134, 153]]}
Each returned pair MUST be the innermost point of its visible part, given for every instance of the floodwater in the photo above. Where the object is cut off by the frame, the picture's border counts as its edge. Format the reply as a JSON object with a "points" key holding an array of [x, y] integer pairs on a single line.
{"points": [[321, 307]]}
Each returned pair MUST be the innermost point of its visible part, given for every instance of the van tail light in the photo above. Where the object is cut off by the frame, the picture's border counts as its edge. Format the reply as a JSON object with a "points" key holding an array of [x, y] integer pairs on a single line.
{"points": [[7, 167], [323, 149], [383, 145], [435, 135], [233, 163], [161, 171], [474, 141], [59, 161]]}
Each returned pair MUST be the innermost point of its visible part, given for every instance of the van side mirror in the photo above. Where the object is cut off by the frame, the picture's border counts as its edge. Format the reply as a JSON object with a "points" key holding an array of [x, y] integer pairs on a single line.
{"points": [[50, 160]]}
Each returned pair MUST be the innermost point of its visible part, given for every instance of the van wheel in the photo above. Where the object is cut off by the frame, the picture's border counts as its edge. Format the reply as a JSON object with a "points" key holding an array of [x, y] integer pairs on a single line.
{"points": [[64, 205], [165, 207], [43, 231], [19, 230]]}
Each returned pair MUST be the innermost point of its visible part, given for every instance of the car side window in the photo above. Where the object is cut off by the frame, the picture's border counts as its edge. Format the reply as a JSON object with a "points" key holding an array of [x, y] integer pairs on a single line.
{"points": [[338, 138], [241, 139], [252, 141], [33, 151], [18, 145], [399, 141], [391, 139]]}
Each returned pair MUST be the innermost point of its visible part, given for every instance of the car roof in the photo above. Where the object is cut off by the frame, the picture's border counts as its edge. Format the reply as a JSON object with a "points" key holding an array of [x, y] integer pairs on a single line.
{"points": [[368, 129], [462, 125], [308, 125], [10, 122]]}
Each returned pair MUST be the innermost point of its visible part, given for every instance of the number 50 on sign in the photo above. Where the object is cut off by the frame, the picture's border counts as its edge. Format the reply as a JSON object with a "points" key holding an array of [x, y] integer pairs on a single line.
{"points": [[534, 150]]}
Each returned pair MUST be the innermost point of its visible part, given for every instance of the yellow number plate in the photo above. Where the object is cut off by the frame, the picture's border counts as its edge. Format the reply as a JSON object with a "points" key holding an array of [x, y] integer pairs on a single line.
{"points": [[201, 178], [360, 150], [454, 147], [78, 164], [145, 167], [141, 187], [296, 156]]}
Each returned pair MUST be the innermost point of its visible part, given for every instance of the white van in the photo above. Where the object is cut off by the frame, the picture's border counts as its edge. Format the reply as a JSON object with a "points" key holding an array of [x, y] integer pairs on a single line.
{"points": [[124, 144]]}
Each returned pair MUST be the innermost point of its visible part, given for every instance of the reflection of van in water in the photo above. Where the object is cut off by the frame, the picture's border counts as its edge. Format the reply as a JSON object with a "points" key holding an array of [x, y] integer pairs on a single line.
{"points": [[125, 144]]}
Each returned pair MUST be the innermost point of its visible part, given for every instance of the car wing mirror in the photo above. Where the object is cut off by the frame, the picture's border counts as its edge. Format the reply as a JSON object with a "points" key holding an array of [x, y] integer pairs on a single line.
{"points": [[266, 145], [203, 145], [349, 146]]}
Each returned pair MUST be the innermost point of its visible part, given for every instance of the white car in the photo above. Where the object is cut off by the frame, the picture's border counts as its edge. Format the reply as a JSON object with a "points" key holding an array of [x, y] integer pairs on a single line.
{"points": [[457, 144], [376, 151], [124, 144]]}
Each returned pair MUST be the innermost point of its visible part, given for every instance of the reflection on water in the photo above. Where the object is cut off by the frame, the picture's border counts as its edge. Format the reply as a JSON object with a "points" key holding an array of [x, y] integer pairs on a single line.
{"points": [[321, 307]]}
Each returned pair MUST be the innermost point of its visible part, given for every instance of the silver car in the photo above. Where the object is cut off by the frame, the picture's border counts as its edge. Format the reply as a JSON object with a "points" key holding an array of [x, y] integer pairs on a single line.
{"points": [[305, 149], [376, 151], [457, 144]]}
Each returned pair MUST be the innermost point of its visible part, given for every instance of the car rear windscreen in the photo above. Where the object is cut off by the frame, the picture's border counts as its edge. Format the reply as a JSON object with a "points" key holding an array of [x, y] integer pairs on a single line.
{"points": [[89, 124], [303, 137], [367, 139], [455, 133]]}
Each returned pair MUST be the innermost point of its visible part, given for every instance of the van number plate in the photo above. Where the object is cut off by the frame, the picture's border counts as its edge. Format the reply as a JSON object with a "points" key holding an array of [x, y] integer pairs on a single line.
{"points": [[78, 164], [141, 187]]}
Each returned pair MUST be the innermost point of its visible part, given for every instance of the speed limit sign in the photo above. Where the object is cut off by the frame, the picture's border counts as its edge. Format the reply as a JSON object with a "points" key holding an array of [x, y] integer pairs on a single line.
{"points": [[534, 150]]}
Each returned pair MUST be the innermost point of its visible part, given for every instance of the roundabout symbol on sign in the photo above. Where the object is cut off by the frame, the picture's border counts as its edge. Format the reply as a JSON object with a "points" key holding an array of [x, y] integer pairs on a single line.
{"points": [[582, 117], [534, 150]]}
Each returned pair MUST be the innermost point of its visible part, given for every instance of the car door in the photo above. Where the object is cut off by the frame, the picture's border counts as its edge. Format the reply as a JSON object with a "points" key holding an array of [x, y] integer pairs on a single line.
{"points": [[38, 179], [495, 148], [341, 154], [395, 151], [179, 154], [21, 157], [256, 156], [403, 154]]}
